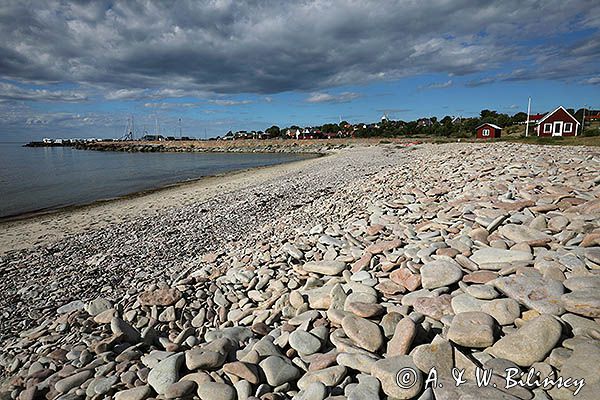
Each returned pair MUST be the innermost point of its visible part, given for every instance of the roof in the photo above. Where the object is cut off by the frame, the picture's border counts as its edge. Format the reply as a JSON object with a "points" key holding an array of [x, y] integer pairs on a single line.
{"points": [[558, 108], [487, 123], [536, 117]]}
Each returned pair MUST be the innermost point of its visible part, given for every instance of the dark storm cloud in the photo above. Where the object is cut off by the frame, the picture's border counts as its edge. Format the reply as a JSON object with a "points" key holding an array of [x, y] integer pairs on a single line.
{"points": [[135, 50]]}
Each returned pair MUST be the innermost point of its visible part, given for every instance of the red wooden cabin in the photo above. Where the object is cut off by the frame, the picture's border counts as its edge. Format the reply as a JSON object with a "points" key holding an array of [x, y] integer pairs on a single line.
{"points": [[557, 123], [488, 131]]}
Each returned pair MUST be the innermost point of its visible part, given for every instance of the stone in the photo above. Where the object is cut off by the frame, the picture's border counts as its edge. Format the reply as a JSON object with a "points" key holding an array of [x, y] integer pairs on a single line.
{"points": [[159, 297], [465, 302], [125, 331], [325, 267], [584, 364], [203, 359], [472, 329], [530, 343], [357, 361], [216, 391], [582, 282], [399, 376], [365, 310], [242, 370], [180, 389], [436, 354], [492, 258], [440, 273], [404, 335], [97, 306], [165, 373], [66, 384], [75, 305], [522, 233], [540, 294], [329, 377], [593, 254], [138, 393], [367, 388], [583, 302], [504, 311], [304, 342], [434, 307], [279, 370], [314, 391], [362, 332], [406, 278]]}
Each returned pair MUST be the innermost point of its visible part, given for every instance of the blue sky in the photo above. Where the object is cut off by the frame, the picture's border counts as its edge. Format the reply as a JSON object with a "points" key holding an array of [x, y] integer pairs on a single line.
{"points": [[81, 69]]}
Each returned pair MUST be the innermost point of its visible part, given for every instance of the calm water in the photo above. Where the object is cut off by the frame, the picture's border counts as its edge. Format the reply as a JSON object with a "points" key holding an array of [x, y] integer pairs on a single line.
{"points": [[35, 179]]}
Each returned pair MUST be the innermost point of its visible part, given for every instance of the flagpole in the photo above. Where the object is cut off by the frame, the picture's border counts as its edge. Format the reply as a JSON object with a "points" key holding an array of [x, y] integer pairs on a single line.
{"points": [[528, 111]]}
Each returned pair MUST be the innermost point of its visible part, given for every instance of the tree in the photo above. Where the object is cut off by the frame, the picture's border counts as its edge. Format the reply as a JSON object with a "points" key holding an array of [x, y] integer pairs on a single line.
{"points": [[273, 131], [519, 117], [447, 120]]}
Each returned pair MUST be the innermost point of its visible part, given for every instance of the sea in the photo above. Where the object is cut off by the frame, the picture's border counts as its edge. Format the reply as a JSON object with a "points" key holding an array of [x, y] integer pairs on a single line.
{"points": [[38, 179]]}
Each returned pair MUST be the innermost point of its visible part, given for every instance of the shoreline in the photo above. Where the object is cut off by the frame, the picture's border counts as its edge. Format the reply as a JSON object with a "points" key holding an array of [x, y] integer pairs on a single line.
{"points": [[118, 205], [74, 207]]}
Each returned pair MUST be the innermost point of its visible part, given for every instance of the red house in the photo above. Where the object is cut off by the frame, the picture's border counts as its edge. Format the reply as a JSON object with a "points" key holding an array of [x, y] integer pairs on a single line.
{"points": [[488, 131], [557, 123]]}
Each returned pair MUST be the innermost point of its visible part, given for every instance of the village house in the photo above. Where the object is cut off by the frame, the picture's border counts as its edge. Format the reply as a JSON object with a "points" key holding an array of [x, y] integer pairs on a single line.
{"points": [[488, 131], [557, 123]]}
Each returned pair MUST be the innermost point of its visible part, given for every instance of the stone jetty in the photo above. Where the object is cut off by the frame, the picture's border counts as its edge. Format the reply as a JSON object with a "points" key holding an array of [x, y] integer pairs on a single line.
{"points": [[348, 279]]}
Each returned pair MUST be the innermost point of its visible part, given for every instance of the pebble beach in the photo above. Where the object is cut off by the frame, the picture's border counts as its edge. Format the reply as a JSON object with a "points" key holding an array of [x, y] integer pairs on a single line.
{"points": [[348, 276]]}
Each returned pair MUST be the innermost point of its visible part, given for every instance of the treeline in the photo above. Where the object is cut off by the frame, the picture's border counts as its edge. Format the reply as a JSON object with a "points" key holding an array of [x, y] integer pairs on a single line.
{"points": [[445, 127]]}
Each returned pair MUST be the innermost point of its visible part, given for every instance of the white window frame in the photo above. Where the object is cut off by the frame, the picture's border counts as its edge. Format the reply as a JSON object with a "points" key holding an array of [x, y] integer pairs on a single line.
{"points": [[485, 132], [568, 128], [547, 128]]}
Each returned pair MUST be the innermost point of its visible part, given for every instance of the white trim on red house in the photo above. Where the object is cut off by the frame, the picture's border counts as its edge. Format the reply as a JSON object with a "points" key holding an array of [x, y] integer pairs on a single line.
{"points": [[487, 123], [558, 108]]}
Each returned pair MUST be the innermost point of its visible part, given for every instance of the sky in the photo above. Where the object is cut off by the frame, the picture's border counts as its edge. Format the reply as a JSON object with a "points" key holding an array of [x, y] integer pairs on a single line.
{"points": [[81, 69]]}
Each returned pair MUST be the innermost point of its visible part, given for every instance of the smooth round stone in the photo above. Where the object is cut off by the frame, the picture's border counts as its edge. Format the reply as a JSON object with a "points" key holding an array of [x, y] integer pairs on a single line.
{"points": [[365, 310], [165, 373], [356, 361], [465, 302], [138, 393], [278, 370], [329, 377], [490, 256], [583, 302], [540, 294], [66, 384], [582, 282], [440, 273], [522, 233], [505, 311], [362, 332], [159, 297], [529, 344], [391, 370], [314, 391], [434, 307], [593, 254], [97, 306], [203, 359], [180, 389], [404, 335], [242, 370], [472, 329], [368, 388], [483, 292], [304, 342], [325, 267], [216, 391], [360, 276], [438, 354]]}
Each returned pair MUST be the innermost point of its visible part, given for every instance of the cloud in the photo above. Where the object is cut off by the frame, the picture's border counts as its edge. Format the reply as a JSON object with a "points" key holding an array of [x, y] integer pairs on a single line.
{"points": [[438, 85], [165, 106], [10, 92], [593, 81], [332, 98], [230, 102], [140, 49]]}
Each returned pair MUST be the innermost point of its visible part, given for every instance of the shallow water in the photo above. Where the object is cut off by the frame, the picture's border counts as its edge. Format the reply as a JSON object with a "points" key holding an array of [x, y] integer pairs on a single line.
{"points": [[36, 179]]}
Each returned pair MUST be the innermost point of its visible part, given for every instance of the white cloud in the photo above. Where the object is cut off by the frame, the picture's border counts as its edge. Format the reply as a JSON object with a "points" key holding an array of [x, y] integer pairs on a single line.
{"points": [[332, 98]]}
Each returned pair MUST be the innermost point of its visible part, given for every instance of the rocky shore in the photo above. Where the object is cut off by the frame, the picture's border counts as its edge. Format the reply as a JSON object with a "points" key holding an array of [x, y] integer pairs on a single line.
{"points": [[219, 146], [350, 277]]}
